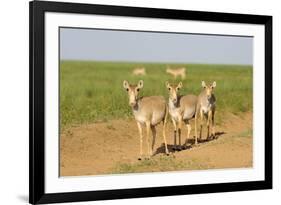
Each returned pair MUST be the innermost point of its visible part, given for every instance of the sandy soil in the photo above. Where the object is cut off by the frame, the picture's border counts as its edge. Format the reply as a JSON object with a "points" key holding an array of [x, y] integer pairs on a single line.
{"points": [[113, 147]]}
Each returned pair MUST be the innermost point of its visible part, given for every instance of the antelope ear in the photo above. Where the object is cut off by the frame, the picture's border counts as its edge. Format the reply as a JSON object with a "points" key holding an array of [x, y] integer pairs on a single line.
{"points": [[179, 85], [203, 84], [140, 84], [214, 84], [167, 84], [125, 84]]}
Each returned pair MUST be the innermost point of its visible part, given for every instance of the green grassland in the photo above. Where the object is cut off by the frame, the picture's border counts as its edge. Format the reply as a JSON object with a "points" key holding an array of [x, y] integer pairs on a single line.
{"points": [[93, 91]]}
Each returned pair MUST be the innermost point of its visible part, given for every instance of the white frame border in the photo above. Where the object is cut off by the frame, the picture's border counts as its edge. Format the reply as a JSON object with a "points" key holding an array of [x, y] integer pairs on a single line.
{"points": [[55, 184]]}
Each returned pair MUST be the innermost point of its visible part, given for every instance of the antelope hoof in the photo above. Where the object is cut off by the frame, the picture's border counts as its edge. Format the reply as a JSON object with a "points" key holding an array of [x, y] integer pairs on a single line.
{"points": [[184, 147], [211, 137]]}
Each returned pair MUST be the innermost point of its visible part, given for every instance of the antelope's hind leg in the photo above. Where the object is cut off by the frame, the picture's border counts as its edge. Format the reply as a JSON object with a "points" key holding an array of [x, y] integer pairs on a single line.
{"points": [[208, 124], [213, 125], [175, 134], [201, 123], [164, 137], [149, 150], [195, 128], [154, 134], [179, 134], [187, 123]]}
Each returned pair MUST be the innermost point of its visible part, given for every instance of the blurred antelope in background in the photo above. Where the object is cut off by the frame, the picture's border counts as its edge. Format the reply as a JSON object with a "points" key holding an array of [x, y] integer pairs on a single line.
{"points": [[148, 111], [181, 109], [206, 106], [139, 71], [176, 72]]}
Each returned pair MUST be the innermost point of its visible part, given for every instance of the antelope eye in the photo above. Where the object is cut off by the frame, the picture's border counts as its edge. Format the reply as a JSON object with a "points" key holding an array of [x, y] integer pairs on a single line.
{"points": [[138, 89], [169, 88], [127, 89], [177, 89]]}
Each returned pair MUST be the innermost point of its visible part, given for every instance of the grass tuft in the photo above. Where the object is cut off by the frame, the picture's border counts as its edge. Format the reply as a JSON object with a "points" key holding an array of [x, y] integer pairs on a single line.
{"points": [[162, 163]]}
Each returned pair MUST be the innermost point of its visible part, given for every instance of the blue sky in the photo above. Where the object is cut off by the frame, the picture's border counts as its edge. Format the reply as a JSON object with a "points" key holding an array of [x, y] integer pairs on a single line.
{"points": [[134, 46]]}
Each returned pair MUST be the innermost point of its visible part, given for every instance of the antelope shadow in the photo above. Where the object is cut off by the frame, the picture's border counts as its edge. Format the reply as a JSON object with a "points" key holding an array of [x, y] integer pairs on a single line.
{"points": [[187, 145]]}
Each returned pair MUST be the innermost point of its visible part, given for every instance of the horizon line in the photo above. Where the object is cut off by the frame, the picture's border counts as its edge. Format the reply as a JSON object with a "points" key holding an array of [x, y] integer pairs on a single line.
{"points": [[151, 62]]}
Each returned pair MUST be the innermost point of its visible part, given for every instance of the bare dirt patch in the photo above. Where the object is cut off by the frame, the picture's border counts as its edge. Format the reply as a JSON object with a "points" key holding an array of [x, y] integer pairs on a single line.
{"points": [[113, 147]]}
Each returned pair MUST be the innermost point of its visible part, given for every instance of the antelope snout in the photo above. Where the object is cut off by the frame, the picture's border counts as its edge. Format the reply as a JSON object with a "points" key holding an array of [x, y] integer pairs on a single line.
{"points": [[132, 100], [174, 100], [132, 104]]}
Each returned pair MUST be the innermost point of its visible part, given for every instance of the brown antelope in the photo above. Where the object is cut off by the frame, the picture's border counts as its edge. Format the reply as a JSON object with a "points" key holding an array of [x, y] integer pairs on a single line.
{"points": [[181, 109], [148, 111], [206, 106], [139, 71], [176, 72]]}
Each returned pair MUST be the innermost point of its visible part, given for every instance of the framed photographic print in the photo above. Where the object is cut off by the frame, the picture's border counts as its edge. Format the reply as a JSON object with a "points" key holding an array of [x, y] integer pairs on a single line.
{"points": [[140, 102]]}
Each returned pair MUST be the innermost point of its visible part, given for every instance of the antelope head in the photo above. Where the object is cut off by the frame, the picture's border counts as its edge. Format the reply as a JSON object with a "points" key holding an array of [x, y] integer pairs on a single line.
{"points": [[173, 91], [133, 91], [209, 88]]}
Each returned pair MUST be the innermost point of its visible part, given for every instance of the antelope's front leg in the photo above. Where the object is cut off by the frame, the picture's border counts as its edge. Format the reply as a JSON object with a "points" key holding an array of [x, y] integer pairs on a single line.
{"points": [[141, 137], [175, 134], [149, 150]]}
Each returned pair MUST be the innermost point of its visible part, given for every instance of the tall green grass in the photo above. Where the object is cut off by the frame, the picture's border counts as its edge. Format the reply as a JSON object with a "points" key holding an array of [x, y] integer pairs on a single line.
{"points": [[93, 91]]}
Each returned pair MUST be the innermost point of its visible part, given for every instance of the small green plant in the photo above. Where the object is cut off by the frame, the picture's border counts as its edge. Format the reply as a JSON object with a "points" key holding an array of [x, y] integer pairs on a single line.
{"points": [[159, 163], [110, 127], [246, 133]]}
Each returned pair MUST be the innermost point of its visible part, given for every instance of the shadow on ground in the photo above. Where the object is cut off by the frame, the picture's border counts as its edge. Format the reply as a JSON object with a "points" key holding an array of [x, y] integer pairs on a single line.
{"points": [[187, 145]]}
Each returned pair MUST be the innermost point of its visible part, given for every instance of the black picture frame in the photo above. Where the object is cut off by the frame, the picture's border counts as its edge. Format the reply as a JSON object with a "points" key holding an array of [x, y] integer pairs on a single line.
{"points": [[37, 194]]}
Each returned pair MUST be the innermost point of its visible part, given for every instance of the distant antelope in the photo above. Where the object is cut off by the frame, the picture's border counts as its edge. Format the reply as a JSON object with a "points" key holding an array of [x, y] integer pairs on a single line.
{"points": [[148, 111], [206, 106], [139, 71], [176, 72], [181, 109]]}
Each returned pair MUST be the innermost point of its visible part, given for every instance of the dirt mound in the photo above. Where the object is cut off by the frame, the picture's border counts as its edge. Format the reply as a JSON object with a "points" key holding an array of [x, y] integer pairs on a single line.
{"points": [[113, 147]]}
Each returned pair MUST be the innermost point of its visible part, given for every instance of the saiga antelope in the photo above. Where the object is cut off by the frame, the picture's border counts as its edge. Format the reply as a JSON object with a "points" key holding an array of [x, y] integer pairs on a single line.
{"points": [[148, 111], [206, 106], [139, 71], [176, 72], [181, 109]]}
